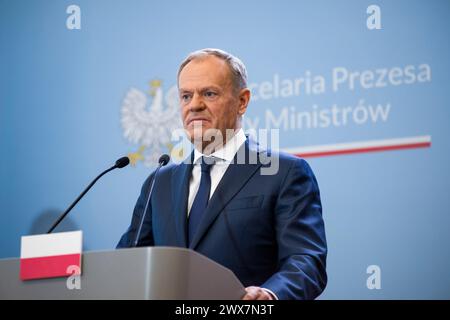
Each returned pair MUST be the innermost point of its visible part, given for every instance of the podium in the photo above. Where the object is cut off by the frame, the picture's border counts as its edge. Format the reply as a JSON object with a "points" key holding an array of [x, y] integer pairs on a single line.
{"points": [[149, 273]]}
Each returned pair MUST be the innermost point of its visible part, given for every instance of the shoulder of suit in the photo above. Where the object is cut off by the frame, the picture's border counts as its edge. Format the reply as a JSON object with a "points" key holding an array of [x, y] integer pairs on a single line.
{"points": [[287, 163], [284, 157], [167, 169]]}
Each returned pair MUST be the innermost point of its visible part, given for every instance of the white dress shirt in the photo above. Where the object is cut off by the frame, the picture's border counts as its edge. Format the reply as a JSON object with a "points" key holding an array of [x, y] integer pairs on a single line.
{"points": [[223, 156]]}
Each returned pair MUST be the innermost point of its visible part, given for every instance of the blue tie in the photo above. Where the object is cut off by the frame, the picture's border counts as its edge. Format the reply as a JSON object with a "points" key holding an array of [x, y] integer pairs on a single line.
{"points": [[201, 198]]}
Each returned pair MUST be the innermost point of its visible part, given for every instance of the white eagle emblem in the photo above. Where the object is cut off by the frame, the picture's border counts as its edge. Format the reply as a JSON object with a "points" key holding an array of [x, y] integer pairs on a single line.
{"points": [[150, 127]]}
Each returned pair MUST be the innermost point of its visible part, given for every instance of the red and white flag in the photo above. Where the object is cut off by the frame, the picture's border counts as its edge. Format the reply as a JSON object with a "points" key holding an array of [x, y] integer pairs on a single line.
{"points": [[50, 255]]}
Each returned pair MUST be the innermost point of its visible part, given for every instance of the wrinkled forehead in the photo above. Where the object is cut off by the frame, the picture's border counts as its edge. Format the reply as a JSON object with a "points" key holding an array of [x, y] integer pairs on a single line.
{"points": [[205, 71]]}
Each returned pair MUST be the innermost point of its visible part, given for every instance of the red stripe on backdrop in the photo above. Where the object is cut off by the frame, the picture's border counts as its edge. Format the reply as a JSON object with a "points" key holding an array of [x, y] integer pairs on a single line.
{"points": [[363, 150], [48, 267]]}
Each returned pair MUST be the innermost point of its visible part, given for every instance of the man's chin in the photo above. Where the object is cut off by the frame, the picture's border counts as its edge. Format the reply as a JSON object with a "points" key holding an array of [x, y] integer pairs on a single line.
{"points": [[203, 133], [206, 140]]}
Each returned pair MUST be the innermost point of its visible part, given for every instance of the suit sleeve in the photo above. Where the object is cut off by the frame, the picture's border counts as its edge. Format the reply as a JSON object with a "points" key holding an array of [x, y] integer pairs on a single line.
{"points": [[146, 237], [300, 233]]}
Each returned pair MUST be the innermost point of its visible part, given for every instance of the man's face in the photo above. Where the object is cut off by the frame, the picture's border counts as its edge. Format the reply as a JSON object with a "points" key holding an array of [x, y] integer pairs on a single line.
{"points": [[209, 101]]}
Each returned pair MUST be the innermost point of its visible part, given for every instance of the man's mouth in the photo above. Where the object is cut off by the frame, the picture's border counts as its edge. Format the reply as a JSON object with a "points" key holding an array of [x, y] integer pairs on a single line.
{"points": [[197, 121]]}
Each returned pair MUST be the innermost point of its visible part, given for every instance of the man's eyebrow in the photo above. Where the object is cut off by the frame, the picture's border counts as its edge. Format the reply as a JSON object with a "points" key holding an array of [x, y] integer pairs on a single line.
{"points": [[211, 87]]}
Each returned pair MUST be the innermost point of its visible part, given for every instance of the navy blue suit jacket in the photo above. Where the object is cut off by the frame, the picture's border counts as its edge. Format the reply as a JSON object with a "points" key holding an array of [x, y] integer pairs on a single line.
{"points": [[268, 229]]}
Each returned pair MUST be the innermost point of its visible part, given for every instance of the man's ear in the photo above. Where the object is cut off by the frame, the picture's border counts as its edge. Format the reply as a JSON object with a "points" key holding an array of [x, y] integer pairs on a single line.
{"points": [[244, 99]]}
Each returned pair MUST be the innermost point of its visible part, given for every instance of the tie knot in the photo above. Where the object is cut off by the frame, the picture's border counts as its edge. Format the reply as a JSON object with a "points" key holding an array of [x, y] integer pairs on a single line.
{"points": [[206, 163]]}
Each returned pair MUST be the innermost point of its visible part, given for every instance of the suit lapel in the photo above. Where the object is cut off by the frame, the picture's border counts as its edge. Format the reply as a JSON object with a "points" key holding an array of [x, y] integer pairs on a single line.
{"points": [[232, 181], [180, 192]]}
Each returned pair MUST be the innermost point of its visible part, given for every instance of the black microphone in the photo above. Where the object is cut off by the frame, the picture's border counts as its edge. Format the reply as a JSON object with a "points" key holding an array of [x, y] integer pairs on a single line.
{"points": [[163, 160], [120, 163]]}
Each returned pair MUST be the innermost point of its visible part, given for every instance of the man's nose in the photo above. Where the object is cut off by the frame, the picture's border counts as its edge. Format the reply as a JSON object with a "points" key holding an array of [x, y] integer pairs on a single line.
{"points": [[197, 103]]}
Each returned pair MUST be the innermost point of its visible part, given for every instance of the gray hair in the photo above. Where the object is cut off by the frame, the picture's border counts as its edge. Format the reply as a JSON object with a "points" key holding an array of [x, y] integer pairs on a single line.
{"points": [[237, 67]]}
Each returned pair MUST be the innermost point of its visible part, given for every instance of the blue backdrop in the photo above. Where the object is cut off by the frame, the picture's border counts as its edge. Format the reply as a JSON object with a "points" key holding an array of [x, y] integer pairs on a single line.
{"points": [[319, 71]]}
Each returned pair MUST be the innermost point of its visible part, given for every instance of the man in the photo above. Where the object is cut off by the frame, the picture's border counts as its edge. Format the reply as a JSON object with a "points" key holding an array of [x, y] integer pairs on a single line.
{"points": [[266, 228]]}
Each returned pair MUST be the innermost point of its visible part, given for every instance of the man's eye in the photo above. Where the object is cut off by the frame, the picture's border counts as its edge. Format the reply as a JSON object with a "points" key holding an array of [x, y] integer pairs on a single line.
{"points": [[185, 97], [210, 94]]}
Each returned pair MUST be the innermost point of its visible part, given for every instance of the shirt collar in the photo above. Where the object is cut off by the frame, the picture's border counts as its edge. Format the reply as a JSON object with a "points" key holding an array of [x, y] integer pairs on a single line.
{"points": [[228, 151]]}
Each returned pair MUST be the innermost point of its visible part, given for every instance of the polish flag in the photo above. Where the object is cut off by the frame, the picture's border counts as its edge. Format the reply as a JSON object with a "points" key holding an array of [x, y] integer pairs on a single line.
{"points": [[50, 255]]}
